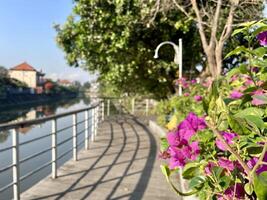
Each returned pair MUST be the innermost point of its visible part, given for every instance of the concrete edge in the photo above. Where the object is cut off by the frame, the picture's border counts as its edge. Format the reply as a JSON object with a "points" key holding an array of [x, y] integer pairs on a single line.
{"points": [[161, 132]]}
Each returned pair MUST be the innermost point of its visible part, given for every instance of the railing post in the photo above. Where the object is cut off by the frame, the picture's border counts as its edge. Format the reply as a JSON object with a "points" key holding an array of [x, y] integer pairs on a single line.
{"points": [[120, 106], [75, 137], [96, 119], [108, 107], [103, 111], [86, 143], [54, 148], [16, 168], [93, 125], [147, 106], [133, 105]]}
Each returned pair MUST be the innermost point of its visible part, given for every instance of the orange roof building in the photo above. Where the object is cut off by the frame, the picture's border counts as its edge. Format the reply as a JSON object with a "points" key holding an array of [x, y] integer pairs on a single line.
{"points": [[27, 74]]}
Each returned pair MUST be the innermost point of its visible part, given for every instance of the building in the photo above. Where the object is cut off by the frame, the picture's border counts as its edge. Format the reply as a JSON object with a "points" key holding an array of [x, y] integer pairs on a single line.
{"points": [[65, 83], [27, 74]]}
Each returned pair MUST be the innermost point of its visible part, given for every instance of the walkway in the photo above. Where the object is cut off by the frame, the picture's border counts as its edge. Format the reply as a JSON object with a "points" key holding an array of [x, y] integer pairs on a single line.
{"points": [[121, 164]]}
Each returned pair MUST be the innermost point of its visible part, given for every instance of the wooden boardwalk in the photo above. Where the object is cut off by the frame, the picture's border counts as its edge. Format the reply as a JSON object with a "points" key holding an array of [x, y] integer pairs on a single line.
{"points": [[121, 164]]}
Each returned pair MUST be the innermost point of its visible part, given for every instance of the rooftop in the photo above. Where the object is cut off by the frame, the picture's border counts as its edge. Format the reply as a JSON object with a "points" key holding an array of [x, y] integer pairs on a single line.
{"points": [[23, 67]]}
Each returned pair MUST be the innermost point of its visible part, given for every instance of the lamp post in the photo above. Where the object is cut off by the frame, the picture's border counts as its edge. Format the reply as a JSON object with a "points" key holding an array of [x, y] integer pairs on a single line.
{"points": [[177, 58]]}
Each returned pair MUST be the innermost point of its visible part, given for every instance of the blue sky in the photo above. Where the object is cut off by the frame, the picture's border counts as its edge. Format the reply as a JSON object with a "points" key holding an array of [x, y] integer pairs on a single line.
{"points": [[27, 34]]}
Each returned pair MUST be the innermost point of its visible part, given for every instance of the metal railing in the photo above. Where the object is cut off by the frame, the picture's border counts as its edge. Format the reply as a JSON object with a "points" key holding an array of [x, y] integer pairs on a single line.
{"points": [[90, 126]]}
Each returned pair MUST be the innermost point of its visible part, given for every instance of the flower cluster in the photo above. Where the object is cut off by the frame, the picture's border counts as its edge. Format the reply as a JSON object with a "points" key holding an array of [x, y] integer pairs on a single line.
{"points": [[181, 149]]}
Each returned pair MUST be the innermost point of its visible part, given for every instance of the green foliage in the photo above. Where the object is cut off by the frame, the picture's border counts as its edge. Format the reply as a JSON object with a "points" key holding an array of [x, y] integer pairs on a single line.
{"points": [[235, 105], [112, 37]]}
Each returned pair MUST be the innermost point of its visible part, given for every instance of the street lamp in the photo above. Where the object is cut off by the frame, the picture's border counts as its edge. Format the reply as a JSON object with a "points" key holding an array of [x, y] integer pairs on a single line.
{"points": [[177, 58]]}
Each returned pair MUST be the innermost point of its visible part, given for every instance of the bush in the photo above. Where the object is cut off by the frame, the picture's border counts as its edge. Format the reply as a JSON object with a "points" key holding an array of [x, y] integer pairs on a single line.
{"points": [[220, 139]]}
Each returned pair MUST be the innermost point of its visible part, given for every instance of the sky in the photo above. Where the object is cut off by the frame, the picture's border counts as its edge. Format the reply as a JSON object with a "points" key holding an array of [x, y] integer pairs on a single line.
{"points": [[27, 35]]}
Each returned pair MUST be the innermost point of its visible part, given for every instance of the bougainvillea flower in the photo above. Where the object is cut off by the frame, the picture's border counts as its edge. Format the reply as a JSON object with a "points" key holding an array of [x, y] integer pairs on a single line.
{"points": [[249, 81], [196, 122], [257, 102], [242, 88], [182, 81], [175, 140], [252, 162], [228, 137], [188, 127], [195, 150], [186, 94], [235, 94], [255, 69], [262, 38], [234, 192], [258, 92], [209, 167], [177, 158], [226, 164], [193, 81], [198, 98], [234, 78]]}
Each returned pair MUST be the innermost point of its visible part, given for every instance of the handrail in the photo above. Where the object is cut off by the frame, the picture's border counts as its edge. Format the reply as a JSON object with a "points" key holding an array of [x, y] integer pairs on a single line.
{"points": [[96, 114], [44, 119]]}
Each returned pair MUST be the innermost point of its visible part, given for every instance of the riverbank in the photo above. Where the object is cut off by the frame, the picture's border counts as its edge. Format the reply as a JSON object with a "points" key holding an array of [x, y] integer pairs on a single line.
{"points": [[18, 100]]}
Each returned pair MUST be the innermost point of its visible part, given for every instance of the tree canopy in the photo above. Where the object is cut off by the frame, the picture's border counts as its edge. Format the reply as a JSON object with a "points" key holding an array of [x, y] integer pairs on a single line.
{"points": [[112, 37], [117, 39]]}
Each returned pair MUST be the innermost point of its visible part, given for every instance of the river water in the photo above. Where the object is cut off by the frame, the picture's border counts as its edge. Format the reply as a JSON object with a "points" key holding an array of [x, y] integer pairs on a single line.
{"points": [[28, 133]]}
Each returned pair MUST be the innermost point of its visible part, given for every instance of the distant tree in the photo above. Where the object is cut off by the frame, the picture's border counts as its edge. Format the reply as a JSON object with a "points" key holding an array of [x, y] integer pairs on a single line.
{"points": [[3, 72], [87, 85]]}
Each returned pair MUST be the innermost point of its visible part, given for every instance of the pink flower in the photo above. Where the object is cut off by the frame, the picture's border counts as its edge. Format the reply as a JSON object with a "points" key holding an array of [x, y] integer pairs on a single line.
{"points": [[226, 164], [236, 191], [198, 98], [177, 158], [258, 92], [252, 162], [248, 81], [174, 139], [182, 81], [193, 81], [186, 94], [192, 123], [209, 167], [262, 38], [257, 102], [228, 137], [195, 150], [242, 88], [234, 78], [236, 95]]}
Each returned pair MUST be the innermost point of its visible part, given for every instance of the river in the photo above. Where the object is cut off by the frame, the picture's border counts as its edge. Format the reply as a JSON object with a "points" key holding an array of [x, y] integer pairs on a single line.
{"points": [[28, 133]]}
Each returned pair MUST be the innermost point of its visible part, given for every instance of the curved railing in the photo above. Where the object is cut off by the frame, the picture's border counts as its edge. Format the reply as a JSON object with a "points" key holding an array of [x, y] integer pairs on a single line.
{"points": [[90, 125]]}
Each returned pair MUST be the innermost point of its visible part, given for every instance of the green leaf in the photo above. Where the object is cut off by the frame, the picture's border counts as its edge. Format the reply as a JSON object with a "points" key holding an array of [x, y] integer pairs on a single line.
{"points": [[217, 171], [262, 28], [249, 188], [236, 51], [250, 111], [165, 170], [224, 182], [260, 185], [255, 120], [232, 73], [254, 150], [191, 170], [260, 52], [163, 144], [197, 183]]}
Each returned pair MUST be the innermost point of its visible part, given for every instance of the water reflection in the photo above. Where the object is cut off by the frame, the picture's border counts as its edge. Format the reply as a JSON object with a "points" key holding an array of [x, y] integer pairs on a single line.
{"points": [[4, 136], [23, 113]]}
